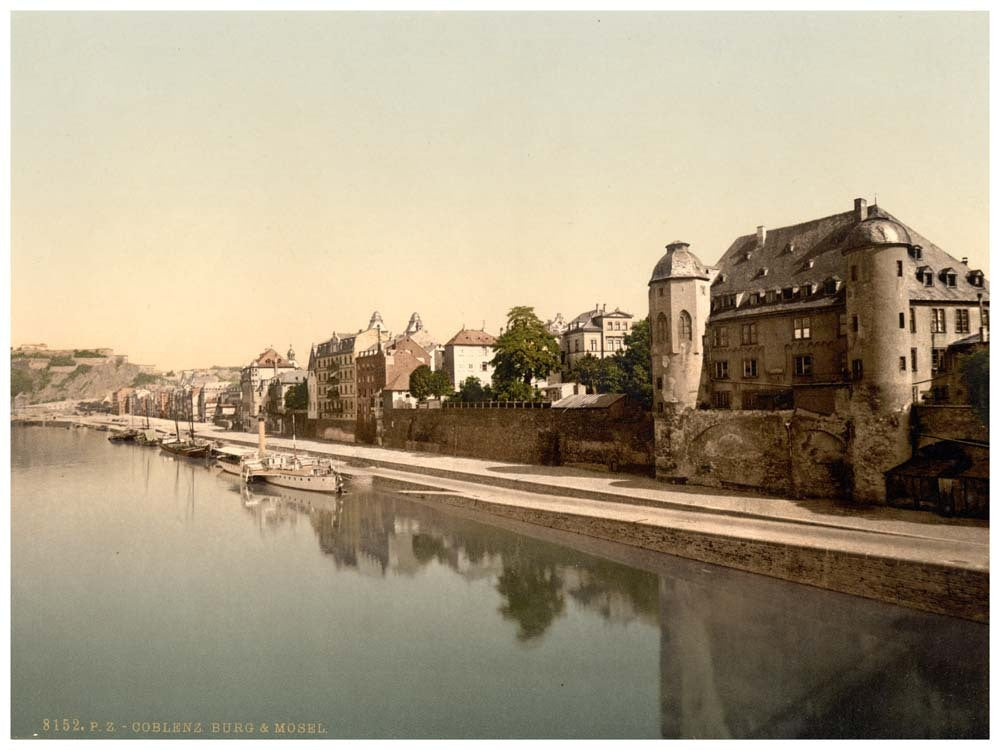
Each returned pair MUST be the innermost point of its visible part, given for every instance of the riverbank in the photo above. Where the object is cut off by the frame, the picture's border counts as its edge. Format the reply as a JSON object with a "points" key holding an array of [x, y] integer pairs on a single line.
{"points": [[914, 559]]}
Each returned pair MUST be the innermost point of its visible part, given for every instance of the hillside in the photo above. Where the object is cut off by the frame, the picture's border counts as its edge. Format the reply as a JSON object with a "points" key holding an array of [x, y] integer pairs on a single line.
{"points": [[65, 379]]}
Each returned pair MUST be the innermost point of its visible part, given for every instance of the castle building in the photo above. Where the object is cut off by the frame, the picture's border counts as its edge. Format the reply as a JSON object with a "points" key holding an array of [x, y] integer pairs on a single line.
{"points": [[789, 317], [596, 332], [253, 383]]}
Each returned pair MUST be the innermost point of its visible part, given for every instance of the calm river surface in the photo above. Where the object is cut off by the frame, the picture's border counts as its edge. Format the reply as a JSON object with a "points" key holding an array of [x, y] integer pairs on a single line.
{"points": [[147, 589]]}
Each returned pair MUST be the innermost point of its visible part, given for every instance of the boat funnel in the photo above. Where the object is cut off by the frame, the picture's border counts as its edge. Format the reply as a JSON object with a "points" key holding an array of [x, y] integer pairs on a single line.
{"points": [[261, 440]]}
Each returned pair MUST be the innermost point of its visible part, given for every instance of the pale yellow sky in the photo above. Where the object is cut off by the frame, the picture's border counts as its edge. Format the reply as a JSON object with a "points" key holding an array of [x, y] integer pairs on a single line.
{"points": [[190, 188]]}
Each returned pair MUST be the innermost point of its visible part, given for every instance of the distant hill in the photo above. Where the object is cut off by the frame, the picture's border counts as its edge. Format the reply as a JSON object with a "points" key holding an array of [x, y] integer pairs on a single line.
{"points": [[61, 377]]}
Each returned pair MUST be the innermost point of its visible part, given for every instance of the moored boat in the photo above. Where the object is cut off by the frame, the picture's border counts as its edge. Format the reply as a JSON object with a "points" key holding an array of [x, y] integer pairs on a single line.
{"points": [[290, 469]]}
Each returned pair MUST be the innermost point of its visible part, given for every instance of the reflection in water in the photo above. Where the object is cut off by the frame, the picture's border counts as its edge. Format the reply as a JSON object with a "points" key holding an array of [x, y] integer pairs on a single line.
{"points": [[401, 537], [382, 615]]}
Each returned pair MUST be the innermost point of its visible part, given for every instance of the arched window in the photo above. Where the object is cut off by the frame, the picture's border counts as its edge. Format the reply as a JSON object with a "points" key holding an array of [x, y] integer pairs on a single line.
{"points": [[684, 328], [662, 329]]}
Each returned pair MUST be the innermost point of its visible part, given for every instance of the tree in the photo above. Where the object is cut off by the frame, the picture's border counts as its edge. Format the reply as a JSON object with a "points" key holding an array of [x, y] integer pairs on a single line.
{"points": [[440, 384], [524, 352], [420, 382], [424, 383], [471, 391], [297, 397], [976, 372], [515, 390], [20, 382], [636, 364]]}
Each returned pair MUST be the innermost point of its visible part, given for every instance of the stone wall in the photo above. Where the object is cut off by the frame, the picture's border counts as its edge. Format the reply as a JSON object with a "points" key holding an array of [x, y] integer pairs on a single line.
{"points": [[955, 422], [554, 437], [340, 430], [793, 453]]}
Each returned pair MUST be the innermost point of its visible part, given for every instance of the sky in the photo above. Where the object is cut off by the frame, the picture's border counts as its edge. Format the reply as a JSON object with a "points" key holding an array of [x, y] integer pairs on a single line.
{"points": [[190, 188]]}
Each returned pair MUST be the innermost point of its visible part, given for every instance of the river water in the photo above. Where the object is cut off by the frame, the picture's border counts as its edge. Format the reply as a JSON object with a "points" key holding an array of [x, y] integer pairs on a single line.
{"points": [[148, 590]]}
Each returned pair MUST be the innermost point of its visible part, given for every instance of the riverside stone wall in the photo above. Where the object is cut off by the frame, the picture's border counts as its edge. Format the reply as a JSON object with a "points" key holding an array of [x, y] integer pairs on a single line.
{"points": [[553, 437], [793, 453]]}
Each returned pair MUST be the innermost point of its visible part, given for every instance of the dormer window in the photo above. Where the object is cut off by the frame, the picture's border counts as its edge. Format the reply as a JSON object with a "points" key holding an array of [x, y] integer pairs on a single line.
{"points": [[948, 276], [788, 293], [916, 252], [771, 296], [831, 285], [808, 290], [747, 255], [810, 263], [975, 278], [926, 275], [762, 272], [755, 298], [790, 247]]}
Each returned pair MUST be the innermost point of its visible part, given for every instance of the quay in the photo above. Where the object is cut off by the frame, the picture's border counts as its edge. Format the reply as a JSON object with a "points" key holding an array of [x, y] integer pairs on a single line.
{"points": [[911, 558]]}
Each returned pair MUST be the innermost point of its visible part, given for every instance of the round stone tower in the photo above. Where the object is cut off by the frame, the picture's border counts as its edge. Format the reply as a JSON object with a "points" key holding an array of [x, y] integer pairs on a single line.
{"points": [[679, 306], [878, 304]]}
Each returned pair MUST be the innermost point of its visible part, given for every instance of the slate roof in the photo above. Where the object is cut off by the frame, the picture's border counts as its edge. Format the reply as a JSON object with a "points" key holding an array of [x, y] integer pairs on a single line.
{"points": [[787, 252], [585, 320], [471, 337], [588, 401], [679, 263]]}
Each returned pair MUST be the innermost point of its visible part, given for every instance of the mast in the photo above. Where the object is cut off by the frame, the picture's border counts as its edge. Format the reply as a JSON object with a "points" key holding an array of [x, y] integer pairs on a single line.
{"points": [[191, 412], [147, 413], [176, 405], [293, 432]]}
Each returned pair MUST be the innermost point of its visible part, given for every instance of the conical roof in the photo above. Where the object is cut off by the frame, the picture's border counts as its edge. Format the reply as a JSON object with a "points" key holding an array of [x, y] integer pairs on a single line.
{"points": [[679, 263]]}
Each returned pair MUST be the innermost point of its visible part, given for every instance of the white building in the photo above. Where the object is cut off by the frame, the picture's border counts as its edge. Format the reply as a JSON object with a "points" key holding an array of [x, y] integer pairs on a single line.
{"points": [[469, 353]]}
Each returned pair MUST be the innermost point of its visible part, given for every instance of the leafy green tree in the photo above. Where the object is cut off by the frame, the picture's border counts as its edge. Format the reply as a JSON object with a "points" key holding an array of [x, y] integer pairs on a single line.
{"points": [[471, 391], [636, 364], [297, 397], [525, 351], [440, 384], [515, 390], [976, 372], [420, 382]]}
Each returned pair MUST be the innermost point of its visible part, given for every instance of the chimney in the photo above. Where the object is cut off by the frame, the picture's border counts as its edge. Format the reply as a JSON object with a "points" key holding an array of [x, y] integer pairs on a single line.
{"points": [[860, 206], [761, 235], [965, 261]]}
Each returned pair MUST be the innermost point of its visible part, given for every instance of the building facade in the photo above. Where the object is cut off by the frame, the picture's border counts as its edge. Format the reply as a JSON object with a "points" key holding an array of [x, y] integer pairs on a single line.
{"points": [[254, 379], [596, 332], [469, 353], [377, 368]]}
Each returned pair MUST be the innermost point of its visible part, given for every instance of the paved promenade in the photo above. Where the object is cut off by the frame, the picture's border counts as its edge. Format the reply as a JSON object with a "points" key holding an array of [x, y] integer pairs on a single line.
{"points": [[915, 558]]}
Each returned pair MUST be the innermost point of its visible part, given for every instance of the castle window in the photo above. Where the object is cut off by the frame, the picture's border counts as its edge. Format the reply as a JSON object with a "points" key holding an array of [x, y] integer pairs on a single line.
{"points": [[899, 268], [720, 336], [902, 364], [662, 329], [721, 370], [961, 321], [986, 318], [902, 320], [804, 366], [938, 324], [913, 360], [855, 324], [842, 324], [748, 333], [913, 320], [659, 383], [593, 345], [721, 400], [800, 328], [684, 326], [854, 273], [857, 369], [660, 290], [749, 368]]}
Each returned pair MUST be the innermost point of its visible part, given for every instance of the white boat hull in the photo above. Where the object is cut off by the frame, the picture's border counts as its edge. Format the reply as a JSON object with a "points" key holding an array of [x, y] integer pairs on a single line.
{"points": [[331, 483]]}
